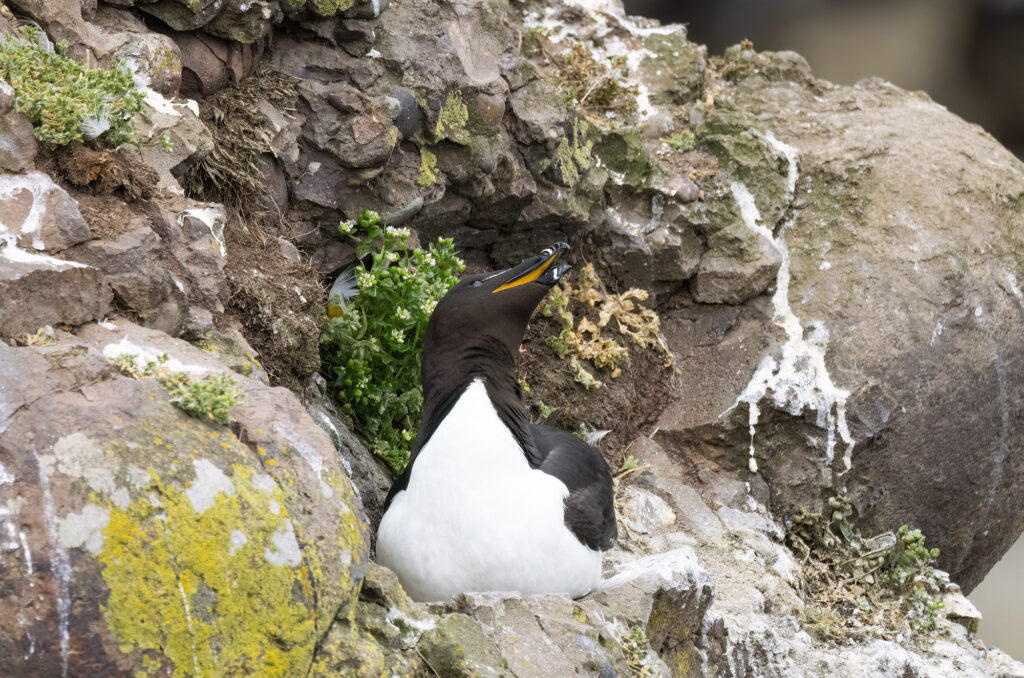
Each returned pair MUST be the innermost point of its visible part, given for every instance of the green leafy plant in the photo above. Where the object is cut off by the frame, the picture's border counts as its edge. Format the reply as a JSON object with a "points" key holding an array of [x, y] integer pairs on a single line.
{"points": [[909, 568], [373, 343], [681, 141], [65, 100], [208, 399], [887, 582]]}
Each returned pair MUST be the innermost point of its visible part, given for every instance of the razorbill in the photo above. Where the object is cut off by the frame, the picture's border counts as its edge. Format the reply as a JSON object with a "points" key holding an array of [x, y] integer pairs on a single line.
{"points": [[489, 501]]}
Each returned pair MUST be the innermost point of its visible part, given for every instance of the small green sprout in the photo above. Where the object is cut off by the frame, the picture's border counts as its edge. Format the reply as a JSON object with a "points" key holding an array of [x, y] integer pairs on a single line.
{"points": [[583, 376], [209, 398], [681, 141], [544, 410], [628, 464]]}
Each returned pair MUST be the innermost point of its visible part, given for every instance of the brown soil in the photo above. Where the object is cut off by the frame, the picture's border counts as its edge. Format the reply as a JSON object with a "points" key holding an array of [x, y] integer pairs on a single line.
{"points": [[280, 304], [628, 405], [103, 171], [107, 217]]}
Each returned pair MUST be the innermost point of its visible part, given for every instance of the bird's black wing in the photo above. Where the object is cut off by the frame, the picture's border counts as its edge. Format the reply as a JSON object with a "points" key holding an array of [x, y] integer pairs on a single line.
{"points": [[590, 506]]}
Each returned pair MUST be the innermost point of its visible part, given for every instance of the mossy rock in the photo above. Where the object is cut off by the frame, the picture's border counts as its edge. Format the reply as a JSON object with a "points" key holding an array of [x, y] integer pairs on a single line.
{"points": [[244, 21], [745, 153], [622, 151], [323, 8], [379, 637], [458, 647], [675, 72]]}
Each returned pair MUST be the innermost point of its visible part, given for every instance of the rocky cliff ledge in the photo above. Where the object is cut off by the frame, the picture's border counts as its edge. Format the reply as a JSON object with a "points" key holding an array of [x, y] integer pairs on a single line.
{"points": [[838, 274]]}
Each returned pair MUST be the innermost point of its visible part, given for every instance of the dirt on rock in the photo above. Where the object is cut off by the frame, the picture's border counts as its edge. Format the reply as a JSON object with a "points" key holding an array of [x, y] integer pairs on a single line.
{"points": [[627, 406], [104, 171], [278, 301], [107, 217]]}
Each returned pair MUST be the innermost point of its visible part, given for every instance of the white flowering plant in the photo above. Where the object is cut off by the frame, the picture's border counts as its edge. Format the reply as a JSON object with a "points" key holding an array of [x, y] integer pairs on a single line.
{"points": [[373, 341]]}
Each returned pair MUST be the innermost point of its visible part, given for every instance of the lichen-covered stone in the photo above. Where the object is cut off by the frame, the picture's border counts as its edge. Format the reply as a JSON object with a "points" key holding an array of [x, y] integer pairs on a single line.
{"points": [[184, 15], [244, 21], [186, 547]]}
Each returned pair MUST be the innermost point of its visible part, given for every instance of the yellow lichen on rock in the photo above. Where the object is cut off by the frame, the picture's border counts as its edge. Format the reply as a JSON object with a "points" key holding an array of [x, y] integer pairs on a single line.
{"points": [[223, 591], [452, 119], [428, 168]]}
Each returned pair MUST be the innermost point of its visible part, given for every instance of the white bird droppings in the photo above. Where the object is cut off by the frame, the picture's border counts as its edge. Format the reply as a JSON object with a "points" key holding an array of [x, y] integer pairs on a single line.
{"points": [[60, 563], [799, 379], [5, 477]]}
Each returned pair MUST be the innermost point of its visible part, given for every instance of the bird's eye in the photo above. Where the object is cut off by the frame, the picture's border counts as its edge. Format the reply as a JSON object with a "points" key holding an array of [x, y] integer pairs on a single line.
{"points": [[477, 283]]}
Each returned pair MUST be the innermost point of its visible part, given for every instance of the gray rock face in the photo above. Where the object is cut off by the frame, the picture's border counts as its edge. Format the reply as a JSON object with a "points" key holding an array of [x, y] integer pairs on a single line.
{"points": [[47, 291], [880, 300], [371, 479], [17, 142], [209, 64], [38, 214], [132, 267], [38, 289]]}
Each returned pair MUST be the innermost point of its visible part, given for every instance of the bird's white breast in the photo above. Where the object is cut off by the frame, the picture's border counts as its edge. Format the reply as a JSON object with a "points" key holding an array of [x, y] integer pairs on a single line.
{"points": [[476, 517]]}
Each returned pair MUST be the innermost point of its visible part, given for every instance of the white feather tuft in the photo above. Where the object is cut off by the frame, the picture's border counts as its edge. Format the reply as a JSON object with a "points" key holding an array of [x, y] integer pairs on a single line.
{"points": [[343, 291], [93, 126]]}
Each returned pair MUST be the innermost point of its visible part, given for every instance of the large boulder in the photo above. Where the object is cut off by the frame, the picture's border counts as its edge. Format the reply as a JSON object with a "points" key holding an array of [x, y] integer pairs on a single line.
{"points": [[806, 244], [895, 371], [151, 541]]}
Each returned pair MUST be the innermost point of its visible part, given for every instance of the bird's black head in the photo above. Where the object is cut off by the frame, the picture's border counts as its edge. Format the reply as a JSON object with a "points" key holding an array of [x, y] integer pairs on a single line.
{"points": [[490, 311]]}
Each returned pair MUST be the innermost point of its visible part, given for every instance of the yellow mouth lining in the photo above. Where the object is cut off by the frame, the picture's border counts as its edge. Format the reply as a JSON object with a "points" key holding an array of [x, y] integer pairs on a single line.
{"points": [[529, 277]]}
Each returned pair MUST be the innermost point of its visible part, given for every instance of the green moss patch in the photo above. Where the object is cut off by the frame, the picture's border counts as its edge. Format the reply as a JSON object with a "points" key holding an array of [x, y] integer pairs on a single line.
{"points": [[573, 154]]}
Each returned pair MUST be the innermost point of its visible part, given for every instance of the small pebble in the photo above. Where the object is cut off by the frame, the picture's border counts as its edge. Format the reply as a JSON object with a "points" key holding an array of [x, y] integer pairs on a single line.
{"points": [[490, 108], [683, 189]]}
